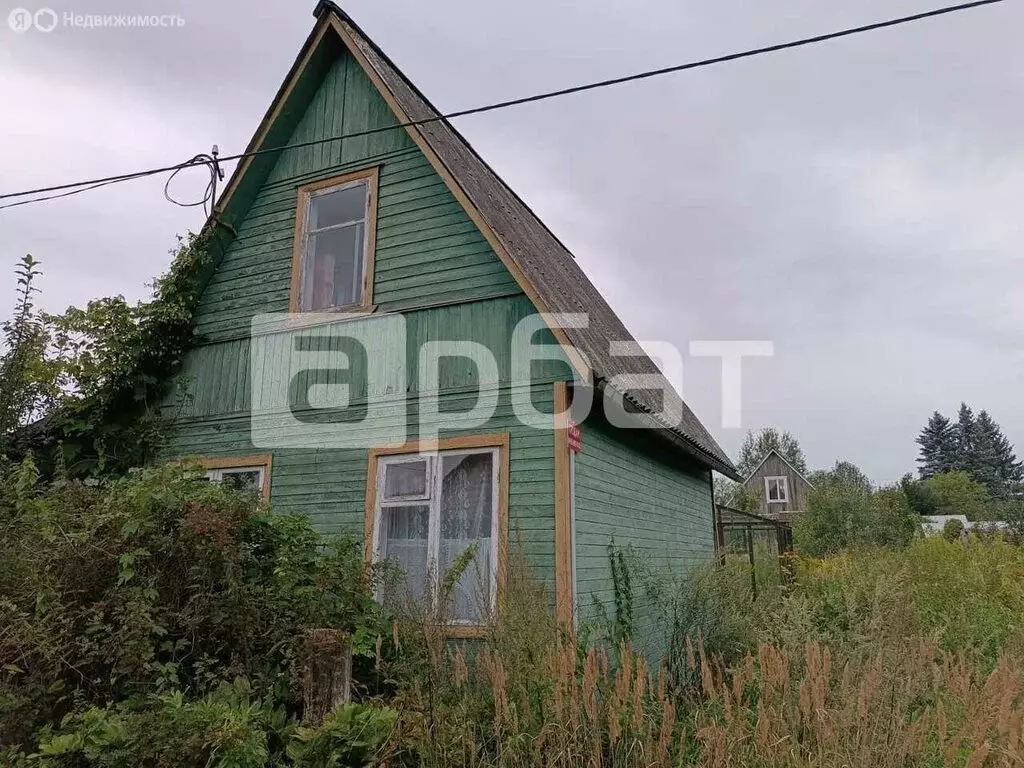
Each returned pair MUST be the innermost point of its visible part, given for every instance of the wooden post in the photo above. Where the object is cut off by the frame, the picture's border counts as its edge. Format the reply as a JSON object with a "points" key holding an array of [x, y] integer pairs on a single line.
{"points": [[327, 681], [786, 564], [750, 556], [720, 538]]}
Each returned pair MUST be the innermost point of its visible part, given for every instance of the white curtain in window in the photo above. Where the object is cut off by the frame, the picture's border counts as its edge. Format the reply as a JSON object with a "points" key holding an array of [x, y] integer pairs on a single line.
{"points": [[404, 538], [467, 494]]}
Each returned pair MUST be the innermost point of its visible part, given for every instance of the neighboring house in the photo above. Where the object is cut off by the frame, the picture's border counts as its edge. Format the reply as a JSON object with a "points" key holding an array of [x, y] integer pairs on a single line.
{"points": [[408, 223], [780, 491]]}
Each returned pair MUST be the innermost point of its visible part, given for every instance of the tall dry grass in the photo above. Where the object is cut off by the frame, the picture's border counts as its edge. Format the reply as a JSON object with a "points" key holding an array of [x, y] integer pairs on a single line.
{"points": [[858, 694], [925, 708]]}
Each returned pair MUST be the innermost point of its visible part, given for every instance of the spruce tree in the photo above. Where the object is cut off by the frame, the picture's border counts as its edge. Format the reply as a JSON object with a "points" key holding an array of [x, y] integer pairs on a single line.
{"points": [[975, 445], [966, 439], [987, 454], [996, 465], [938, 446]]}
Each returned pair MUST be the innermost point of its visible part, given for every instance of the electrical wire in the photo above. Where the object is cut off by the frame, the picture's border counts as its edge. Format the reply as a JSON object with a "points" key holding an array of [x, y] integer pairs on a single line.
{"points": [[212, 164], [85, 186]]}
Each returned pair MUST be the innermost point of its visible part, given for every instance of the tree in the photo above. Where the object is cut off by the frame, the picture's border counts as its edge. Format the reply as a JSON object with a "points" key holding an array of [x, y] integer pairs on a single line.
{"points": [[958, 493], [965, 441], [758, 444], [921, 497], [844, 473], [996, 465], [28, 380], [938, 446], [953, 530], [975, 445], [111, 366], [840, 517], [735, 495]]}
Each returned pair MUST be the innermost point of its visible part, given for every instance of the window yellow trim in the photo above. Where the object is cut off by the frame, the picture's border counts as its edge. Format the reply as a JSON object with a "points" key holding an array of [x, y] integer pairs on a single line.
{"points": [[264, 460], [372, 176], [496, 440], [563, 509]]}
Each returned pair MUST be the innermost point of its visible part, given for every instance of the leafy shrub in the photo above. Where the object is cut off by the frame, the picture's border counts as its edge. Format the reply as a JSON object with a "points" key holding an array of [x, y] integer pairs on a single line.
{"points": [[966, 595], [159, 583], [843, 516], [350, 736], [227, 728], [953, 530], [957, 494]]}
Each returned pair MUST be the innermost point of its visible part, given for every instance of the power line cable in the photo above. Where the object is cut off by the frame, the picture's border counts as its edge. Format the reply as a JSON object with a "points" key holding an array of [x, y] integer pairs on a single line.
{"points": [[90, 184], [212, 164]]}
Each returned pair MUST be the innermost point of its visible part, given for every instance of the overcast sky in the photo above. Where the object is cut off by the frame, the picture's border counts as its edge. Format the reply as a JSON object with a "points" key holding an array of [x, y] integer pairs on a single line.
{"points": [[858, 203]]}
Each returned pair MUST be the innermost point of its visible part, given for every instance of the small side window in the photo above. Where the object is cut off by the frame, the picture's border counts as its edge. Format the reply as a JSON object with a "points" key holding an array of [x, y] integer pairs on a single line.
{"points": [[250, 473], [241, 478], [406, 480]]}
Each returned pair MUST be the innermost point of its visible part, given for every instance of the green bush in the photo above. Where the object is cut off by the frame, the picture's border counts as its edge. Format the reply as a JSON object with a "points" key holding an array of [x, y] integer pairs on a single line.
{"points": [[709, 607], [228, 729], [966, 595], [953, 530], [123, 604], [957, 494], [351, 736], [841, 517]]}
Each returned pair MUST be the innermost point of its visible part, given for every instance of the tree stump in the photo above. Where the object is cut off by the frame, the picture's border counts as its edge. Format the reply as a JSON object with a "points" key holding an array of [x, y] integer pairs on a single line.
{"points": [[327, 678]]}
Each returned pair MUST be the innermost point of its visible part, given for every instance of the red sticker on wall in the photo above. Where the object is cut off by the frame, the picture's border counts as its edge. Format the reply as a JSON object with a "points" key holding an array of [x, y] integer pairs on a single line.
{"points": [[575, 437]]}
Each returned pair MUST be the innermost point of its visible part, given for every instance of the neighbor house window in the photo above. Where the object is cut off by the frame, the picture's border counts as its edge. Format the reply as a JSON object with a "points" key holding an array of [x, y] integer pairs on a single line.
{"points": [[776, 490], [430, 508], [334, 241], [245, 474]]}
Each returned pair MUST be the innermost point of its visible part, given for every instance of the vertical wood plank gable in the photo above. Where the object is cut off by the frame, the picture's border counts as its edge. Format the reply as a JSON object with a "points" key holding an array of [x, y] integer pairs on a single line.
{"points": [[428, 249]]}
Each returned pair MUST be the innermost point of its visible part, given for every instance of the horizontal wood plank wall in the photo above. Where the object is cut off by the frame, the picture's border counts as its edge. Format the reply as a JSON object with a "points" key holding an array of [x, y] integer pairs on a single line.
{"points": [[428, 250], [329, 485], [626, 492]]}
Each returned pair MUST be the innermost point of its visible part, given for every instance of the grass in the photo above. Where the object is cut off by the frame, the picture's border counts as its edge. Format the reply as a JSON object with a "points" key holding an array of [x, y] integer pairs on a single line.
{"points": [[908, 657]]}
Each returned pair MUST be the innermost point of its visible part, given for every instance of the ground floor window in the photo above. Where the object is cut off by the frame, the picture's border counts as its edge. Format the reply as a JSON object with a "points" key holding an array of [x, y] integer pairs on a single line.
{"points": [[430, 508], [251, 473]]}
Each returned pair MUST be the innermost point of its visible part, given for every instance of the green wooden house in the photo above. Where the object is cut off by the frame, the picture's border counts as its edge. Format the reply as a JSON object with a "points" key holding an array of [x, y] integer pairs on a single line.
{"points": [[402, 222]]}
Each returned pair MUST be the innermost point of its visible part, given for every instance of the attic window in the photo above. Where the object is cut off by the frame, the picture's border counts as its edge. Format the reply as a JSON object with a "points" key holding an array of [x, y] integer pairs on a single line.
{"points": [[776, 490], [334, 242]]}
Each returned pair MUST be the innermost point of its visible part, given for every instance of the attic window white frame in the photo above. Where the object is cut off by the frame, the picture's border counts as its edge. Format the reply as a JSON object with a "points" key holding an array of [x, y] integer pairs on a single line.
{"points": [[370, 177], [781, 488]]}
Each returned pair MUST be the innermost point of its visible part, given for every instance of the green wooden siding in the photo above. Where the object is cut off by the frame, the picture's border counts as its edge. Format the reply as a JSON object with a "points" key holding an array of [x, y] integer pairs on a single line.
{"points": [[633, 490], [432, 265], [218, 379], [435, 268], [428, 249], [329, 485]]}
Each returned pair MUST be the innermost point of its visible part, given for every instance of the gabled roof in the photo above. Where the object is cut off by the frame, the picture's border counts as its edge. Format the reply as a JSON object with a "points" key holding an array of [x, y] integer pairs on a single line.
{"points": [[540, 263], [793, 469]]}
